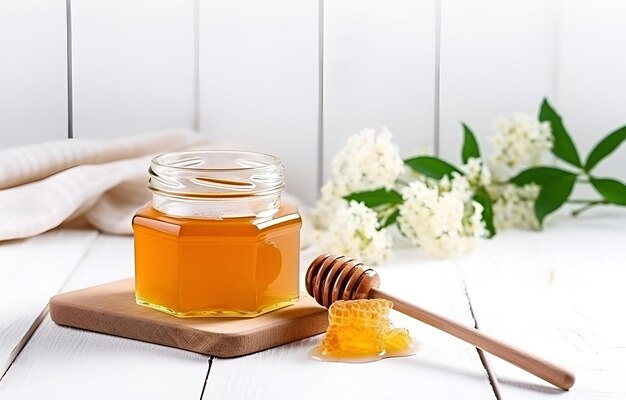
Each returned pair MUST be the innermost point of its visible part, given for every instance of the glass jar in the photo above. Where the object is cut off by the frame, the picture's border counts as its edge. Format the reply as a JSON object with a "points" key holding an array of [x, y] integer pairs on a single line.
{"points": [[216, 240]]}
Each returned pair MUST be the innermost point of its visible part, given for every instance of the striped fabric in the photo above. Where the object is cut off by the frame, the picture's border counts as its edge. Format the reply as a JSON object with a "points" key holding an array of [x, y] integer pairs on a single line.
{"points": [[102, 182], [98, 182]]}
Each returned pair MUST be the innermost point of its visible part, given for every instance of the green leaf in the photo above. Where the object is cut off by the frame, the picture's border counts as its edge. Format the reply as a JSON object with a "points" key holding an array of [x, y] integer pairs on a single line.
{"points": [[612, 190], [390, 219], [431, 166], [483, 199], [563, 146], [555, 187], [470, 145], [376, 198], [551, 197], [540, 176], [605, 147]]}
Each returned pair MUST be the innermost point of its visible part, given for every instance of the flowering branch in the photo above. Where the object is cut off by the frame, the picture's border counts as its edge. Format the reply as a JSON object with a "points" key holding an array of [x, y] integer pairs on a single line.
{"points": [[443, 208]]}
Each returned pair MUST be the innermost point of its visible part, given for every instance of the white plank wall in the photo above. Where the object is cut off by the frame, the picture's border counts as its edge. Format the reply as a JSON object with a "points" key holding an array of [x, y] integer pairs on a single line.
{"points": [[497, 58], [379, 70], [33, 71], [259, 81], [133, 65], [591, 79], [247, 72]]}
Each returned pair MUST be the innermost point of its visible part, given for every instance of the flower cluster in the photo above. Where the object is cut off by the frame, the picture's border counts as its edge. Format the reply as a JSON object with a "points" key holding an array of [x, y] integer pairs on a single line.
{"points": [[354, 231], [443, 209], [368, 161], [477, 173], [520, 142], [513, 206], [440, 222], [437, 215]]}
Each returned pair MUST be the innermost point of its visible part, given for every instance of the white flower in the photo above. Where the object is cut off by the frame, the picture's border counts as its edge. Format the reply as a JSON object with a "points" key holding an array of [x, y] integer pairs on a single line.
{"points": [[368, 161], [460, 187], [441, 223], [520, 142], [327, 205], [477, 173], [514, 206], [353, 231]]}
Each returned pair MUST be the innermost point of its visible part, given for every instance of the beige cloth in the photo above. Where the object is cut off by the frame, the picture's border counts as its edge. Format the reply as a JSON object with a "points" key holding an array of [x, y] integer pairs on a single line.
{"points": [[104, 182]]}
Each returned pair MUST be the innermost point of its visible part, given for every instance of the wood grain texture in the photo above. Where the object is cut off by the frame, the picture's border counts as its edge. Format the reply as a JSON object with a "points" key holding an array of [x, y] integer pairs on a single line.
{"points": [[444, 369], [558, 293], [31, 271], [33, 74], [111, 309], [379, 70], [66, 363], [259, 81]]}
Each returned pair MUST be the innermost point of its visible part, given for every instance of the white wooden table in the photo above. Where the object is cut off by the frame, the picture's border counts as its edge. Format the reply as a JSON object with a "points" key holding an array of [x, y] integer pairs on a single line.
{"points": [[559, 293]]}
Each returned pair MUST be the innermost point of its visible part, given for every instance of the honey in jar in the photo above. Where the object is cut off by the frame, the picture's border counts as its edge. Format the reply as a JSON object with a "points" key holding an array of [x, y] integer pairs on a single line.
{"points": [[216, 240]]}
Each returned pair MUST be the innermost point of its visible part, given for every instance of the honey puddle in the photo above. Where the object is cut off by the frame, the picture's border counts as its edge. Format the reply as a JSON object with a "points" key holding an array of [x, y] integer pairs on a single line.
{"points": [[360, 331]]}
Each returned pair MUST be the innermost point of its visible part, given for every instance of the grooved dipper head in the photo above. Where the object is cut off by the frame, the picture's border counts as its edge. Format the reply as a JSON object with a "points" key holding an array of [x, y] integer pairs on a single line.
{"points": [[332, 277]]}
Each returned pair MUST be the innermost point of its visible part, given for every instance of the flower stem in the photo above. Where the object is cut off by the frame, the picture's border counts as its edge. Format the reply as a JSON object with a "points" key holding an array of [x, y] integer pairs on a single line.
{"points": [[586, 207], [581, 201], [402, 182]]}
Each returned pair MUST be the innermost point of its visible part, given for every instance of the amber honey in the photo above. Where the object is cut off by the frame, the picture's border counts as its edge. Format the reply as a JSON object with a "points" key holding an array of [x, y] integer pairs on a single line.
{"points": [[216, 264]]}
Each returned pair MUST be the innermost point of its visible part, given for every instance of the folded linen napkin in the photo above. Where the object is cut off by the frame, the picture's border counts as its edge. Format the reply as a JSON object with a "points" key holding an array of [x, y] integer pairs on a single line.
{"points": [[104, 182]]}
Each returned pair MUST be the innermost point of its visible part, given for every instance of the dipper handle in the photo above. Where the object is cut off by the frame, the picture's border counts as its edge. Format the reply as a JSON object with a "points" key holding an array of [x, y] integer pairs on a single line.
{"points": [[537, 366]]}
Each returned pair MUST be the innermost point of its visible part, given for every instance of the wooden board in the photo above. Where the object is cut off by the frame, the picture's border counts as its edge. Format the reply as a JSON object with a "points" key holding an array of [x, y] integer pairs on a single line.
{"points": [[111, 309]]}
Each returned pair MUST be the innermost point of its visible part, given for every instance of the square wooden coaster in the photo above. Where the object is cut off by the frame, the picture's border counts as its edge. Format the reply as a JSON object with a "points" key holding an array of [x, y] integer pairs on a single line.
{"points": [[111, 309]]}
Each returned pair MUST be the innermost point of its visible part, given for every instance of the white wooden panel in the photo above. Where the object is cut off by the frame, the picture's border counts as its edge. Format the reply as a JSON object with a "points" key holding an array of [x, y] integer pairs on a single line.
{"points": [[66, 363], [560, 295], [497, 59], [133, 64], [31, 271], [286, 372], [33, 75], [379, 70], [592, 82], [259, 81]]}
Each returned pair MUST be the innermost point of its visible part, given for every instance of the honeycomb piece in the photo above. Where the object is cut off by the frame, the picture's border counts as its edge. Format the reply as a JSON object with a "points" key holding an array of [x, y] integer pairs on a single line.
{"points": [[360, 330]]}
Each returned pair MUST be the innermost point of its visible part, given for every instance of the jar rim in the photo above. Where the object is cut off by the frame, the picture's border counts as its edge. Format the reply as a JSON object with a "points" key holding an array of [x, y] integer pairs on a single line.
{"points": [[161, 160], [216, 183]]}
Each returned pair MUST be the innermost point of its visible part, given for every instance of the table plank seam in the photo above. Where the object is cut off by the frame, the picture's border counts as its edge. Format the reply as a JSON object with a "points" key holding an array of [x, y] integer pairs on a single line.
{"points": [[206, 378], [493, 379], [22, 343], [42, 315]]}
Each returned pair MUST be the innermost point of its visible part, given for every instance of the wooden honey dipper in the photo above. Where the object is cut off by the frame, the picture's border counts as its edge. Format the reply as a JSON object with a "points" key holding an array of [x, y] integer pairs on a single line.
{"points": [[331, 277]]}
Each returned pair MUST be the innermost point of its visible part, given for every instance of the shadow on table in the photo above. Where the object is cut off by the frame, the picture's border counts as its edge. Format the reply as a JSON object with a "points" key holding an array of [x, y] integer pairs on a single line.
{"points": [[479, 376], [531, 386]]}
